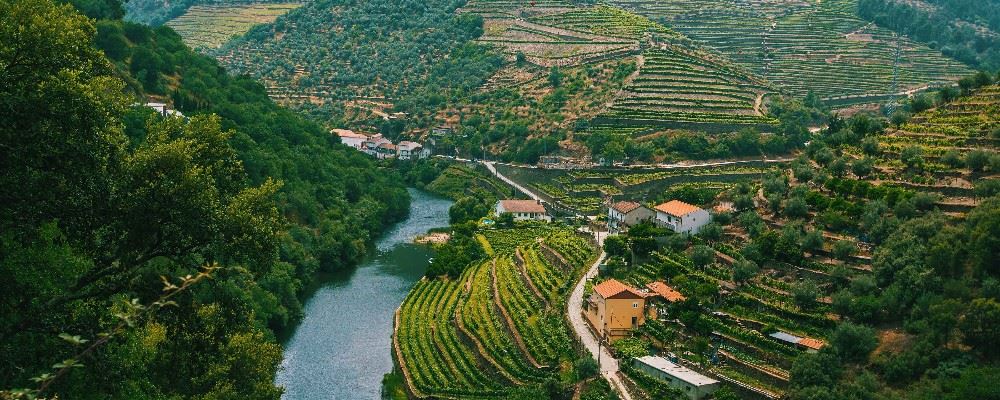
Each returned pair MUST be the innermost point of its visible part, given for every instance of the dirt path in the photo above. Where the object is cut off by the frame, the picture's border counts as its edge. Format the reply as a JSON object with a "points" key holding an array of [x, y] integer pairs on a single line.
{"points": [[757, 103]]}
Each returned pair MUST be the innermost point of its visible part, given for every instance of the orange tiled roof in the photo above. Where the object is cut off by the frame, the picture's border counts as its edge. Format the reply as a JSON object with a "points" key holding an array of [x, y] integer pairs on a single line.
{"points": [[612, 287], [666, 291], [811, 343], [523, 206], [677, 208], [625, 207], [348, 133]]}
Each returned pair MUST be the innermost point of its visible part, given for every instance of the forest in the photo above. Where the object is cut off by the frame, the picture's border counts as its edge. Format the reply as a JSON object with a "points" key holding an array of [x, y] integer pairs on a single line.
{"points": [[158, 257], [964, 30]]}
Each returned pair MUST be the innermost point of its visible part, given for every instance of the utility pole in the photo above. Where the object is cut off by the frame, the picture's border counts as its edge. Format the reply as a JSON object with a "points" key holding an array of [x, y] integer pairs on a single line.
{"points": [[891, 107]]}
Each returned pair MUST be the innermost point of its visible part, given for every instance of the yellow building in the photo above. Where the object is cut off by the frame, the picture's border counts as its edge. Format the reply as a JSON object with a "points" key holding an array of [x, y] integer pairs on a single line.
{"points": [[614, 309]]}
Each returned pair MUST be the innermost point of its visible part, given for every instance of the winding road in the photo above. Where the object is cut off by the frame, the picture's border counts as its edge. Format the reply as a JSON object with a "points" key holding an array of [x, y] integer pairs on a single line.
{"points": [[574, 307]]}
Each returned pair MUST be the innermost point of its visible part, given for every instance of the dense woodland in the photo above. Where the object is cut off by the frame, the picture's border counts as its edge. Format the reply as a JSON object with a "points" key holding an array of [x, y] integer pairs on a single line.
{"points": [[110, 213], [964, 30]]}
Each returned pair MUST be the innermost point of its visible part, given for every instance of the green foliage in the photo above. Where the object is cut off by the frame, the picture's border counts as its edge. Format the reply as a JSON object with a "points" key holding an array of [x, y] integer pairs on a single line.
{"points": [[944, 26], [616, 246], [101, 199], [631, 347]]}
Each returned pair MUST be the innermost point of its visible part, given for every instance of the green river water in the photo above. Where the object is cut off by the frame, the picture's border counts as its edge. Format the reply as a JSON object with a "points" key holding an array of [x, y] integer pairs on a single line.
{"points": [[342, 348]]}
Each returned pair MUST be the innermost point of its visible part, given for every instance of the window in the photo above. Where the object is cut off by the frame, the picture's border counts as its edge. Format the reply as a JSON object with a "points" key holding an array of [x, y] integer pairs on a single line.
{"points": [[635, 305], [635, 321]]}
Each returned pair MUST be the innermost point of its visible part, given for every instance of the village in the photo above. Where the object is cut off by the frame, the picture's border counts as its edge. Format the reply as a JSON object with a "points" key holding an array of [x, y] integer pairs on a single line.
{"points": [[613, 311]]}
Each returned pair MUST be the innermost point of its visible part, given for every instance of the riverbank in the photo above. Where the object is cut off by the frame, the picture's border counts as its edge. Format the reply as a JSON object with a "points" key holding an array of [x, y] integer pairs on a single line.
{"points": [[342, 348]]}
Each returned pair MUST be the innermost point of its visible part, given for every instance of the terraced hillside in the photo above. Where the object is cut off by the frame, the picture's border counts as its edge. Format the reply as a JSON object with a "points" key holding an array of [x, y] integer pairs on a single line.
{"points": [[568, 36], [681, 87], [499, 325], [965, 124], [802, 46], [586, 191], [210, 26], [678, 84]]}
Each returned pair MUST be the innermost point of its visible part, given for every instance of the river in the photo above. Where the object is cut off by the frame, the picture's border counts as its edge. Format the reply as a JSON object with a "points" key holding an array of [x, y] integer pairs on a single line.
{"points": [[343, 346]]}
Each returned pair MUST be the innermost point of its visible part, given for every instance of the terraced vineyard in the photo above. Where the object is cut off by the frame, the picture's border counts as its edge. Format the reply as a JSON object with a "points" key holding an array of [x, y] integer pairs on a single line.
{"points": [[564, 36], [805, 46], [681, 87], [210, 26], [964, 124], [678, 85], [490, 330], [585, 191]]}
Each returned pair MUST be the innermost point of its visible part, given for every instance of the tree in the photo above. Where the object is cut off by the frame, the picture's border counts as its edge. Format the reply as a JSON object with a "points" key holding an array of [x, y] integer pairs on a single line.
{"points": [[805, 293], [796, 207], [613, 151], [862, 167], [813, 241], [900, 117], [913, 157], [555, 76], [711, 232], [585, 367], [616, 246], [869, 146], [952, 158], [702, 256], [976, 160], [853, 342], [844, 249], [744, 270], [838, 167]]}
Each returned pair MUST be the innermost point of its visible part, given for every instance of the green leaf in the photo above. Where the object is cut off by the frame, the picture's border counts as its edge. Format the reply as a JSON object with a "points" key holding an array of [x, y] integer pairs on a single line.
{"points": [[74, 339]]}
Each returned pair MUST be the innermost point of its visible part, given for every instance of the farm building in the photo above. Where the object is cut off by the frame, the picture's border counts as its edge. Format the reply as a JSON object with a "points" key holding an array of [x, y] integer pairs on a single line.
{"points": [[682, 217], [808, 344], [522, 210], [614, 309], [624, 214], [658, 295], [696, 386]]}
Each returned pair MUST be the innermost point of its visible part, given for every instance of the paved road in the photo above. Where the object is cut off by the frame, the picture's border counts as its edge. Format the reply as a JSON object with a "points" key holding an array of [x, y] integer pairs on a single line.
{"points": [[493, 170], [609, 365]]}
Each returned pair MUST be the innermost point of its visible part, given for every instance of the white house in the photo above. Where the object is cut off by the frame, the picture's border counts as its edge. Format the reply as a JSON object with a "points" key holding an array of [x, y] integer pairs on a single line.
{"points": [[696, 386], [372, 143], [522, 209], [385, 150], [163, 110], [409, 150], [624, 214], [682, 217], [350, 138]]}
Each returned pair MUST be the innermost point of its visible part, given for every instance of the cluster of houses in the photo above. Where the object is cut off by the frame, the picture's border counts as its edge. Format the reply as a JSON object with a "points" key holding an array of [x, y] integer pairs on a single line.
{"points": [[614, 309], [379, 147], [676, 215]]}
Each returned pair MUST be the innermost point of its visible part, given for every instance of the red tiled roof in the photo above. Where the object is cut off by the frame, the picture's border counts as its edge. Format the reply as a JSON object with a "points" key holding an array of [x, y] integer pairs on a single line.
{"points": [[677, 208], [625, 207], [811, 343], [348, 133], [522, 206], [613, 287], [665, 291]]}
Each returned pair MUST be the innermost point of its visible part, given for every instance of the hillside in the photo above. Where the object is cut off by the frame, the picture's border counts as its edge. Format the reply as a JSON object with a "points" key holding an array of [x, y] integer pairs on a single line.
{"points": [[159, 257], [211, 26], [807, 46], [966, 31]]}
